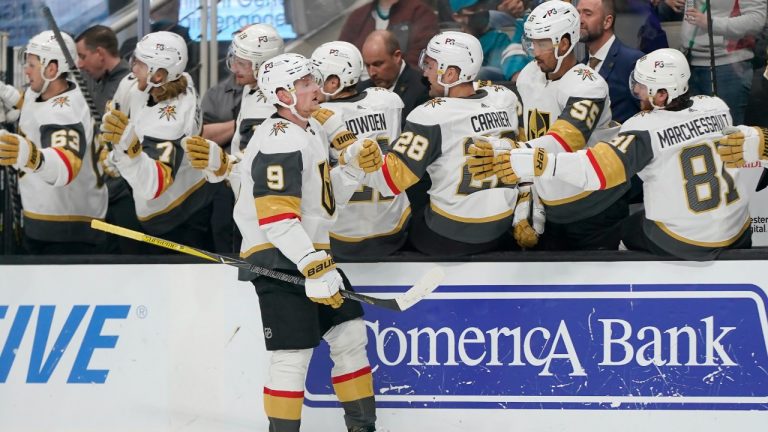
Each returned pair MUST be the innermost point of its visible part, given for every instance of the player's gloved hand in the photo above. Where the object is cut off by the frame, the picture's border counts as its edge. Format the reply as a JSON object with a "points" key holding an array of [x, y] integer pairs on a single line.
{"points": [[742, 144], [205, 154], [129, 143], [113, 124], [335, 128], [105, 162], [322, 281], [482, 152], [19, 153], [520, 165], [529, 217], [9, 95], [364, 154]]}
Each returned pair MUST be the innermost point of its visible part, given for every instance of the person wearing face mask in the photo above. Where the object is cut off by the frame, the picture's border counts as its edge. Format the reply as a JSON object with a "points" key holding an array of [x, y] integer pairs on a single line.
{"points": [[172, 198], [474, 18], [55, 157]]}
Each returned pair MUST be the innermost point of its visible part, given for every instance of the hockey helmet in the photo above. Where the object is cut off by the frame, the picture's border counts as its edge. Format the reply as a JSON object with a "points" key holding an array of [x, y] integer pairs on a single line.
{"points": [[552, 20], [162, 50], [47, 49], [282, 72], [257, 43], [666, 69], [458, 49], [341, 59]]}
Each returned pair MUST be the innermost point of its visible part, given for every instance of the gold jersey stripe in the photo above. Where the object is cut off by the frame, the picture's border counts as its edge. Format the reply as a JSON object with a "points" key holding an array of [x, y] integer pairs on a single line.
{"points": [[71, 160], [447, 215], [354, 389], [567, 200], [175, 202], [569, 133], [722, 243], [395, 230], [283, 407], [272, 205], [59, 218], [397, 174], [610, 164]]}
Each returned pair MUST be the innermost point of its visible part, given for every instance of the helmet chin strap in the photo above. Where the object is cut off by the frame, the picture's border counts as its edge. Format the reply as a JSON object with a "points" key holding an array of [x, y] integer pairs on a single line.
{"points": [[292, 107], [447, 87], [561, 58]]}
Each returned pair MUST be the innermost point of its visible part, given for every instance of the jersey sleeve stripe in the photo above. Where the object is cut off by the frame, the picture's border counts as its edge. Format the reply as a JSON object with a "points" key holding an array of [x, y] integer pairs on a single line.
{"points": [[561, 141], [597, 168], [70, 162], [569, 133], [397, 174], [164, 178], [611, 166]]}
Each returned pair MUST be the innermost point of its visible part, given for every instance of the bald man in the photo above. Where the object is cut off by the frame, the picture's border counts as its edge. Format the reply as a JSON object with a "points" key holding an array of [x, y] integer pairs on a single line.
{"points": [[385, 65]]}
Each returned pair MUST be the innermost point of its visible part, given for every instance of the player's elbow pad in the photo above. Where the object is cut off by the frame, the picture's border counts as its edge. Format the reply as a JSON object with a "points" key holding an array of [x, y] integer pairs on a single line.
{"points": [[289, 237]]}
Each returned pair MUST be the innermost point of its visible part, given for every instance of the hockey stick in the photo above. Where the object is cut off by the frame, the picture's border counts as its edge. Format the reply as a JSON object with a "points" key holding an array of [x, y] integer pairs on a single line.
{"points": [[72, 65], [423, 287]]}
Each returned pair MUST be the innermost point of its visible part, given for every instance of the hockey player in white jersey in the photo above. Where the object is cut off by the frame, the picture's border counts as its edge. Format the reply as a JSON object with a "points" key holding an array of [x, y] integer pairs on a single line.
{"points": [[54, 154], [464, 216], [249, 49], [287, 204], [370, 226], [566, 108], [694, 206], [172, 199]]}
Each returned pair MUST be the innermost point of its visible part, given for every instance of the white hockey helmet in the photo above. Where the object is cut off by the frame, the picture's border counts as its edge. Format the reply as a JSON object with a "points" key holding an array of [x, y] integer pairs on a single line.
{"points": [[47, 49], [552, 20], [341, 59], [257, 43], [666, 69], [162, 50], [281, 72], [458, 49]]}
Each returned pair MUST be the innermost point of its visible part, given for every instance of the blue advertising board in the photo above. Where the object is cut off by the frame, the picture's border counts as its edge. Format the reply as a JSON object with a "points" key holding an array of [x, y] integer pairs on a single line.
{"points": [[622, 346]]}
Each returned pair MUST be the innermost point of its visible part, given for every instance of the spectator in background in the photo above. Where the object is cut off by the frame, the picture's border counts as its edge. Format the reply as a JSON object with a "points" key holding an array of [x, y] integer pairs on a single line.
{"points": [[220, 106], [98, 57], [413, 23], [474, 18], [386, 68], [734, 24], [512, 13], [613, 60]]}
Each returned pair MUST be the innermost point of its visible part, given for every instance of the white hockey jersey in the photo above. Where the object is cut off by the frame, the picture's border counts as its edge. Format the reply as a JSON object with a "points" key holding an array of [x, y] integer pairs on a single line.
{"points": [[692, 203], [254, 109], [285, 174], [434, 140], [568, 114], [166, 189], [370, 225], [63, 128]]}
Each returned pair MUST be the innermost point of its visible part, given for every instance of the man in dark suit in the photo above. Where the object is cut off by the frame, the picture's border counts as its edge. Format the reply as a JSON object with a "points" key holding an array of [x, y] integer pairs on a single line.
{"points": [[387, 69], [613, 60]]}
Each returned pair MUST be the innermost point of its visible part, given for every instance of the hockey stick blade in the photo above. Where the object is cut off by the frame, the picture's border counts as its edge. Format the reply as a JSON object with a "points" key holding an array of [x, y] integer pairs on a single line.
{"points": [[426, 284]]}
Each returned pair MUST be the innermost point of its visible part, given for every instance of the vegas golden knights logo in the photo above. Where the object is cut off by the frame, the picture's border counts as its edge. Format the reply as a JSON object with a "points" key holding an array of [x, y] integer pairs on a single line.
{"points": [[538, 123], [328, 201]]}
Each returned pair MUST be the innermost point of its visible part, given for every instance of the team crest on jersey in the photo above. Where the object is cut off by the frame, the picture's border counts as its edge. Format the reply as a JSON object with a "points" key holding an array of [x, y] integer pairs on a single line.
{"points": [[434, 102], [585, 74], [168, 112], [61, 101], [279, 127], [538, 123]]}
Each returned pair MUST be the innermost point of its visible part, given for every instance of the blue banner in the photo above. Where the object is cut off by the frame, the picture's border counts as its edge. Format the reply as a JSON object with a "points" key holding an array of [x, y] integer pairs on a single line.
{"points": [[575, 347]]}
